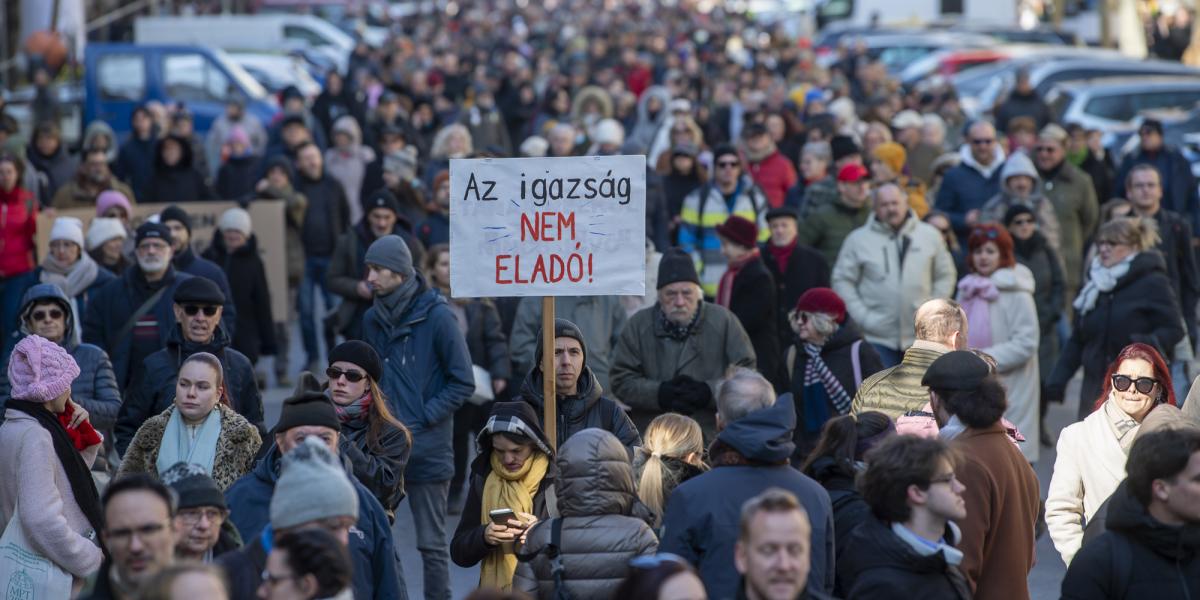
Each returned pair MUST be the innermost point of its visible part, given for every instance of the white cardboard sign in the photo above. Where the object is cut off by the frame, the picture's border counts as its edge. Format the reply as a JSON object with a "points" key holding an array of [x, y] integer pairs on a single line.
{"points": [[548, 226]]}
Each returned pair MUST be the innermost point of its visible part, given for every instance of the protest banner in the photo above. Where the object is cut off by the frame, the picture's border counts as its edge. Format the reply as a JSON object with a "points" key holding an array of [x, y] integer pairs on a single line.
{"points": [[266, 216], [548, 227]]}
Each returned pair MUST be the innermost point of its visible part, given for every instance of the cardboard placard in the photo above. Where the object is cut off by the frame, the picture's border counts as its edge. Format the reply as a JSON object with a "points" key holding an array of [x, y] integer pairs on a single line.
{"points": [[268, 224]]}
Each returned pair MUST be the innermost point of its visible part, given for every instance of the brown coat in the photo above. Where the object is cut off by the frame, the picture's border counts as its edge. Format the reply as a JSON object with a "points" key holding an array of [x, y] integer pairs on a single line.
{"points": [[236, 447], [1002, 510], [74, 195]]}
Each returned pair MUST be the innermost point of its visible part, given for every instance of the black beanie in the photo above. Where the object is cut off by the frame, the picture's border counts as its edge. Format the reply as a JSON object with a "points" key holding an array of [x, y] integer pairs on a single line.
{"points": [[562, 328], [308, 405], [381, 198], [193, 486], [1015, 211], [174, 213], [361, 354], [676, 266], [842, 146]]}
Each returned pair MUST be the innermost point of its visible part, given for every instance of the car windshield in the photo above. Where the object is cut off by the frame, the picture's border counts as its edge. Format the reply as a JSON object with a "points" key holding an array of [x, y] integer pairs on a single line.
{"points": [[253, 89]]}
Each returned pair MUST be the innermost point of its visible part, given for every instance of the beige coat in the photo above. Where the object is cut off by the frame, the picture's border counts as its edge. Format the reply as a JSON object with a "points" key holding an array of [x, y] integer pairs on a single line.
{"points": [[1089, 467], [885, 275], [1015, 335]]}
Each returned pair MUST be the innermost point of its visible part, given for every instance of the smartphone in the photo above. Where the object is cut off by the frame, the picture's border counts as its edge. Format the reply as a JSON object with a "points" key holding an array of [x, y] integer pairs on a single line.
{"points": [[500, 516]]}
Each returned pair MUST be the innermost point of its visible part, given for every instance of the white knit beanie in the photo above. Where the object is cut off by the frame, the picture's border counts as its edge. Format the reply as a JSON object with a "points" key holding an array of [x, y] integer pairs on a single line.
{"points": [[236, 219], [608, 131], [103, 229], [67, 228]]}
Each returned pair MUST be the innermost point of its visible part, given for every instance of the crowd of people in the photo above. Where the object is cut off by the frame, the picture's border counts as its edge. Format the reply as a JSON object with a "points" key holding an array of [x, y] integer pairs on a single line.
{"points": [[859, 305]]}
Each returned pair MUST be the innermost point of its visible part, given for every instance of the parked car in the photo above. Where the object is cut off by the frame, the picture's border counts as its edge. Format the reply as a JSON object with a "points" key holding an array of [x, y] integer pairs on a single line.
{"points": [[119, 77], [1111, 103], [276, 72], [273, 32], [898, 50]]}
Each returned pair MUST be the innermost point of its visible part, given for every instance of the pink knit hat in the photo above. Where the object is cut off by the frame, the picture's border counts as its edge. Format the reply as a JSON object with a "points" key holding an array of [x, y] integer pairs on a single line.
{"points": [[110, 198], [40, 370]]}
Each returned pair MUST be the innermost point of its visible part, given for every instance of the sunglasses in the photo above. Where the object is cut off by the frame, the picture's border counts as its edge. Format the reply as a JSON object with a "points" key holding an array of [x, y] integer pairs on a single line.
{"points": [[1022, 222], [352, 376], [991, 234], [1045, 149], [52, 314], [191, 310], [726, 165], [1144, 385], [983, 142]]}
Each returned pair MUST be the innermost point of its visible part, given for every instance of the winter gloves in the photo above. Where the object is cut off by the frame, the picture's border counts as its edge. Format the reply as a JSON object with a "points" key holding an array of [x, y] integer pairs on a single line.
{"points": [[684, 395]]}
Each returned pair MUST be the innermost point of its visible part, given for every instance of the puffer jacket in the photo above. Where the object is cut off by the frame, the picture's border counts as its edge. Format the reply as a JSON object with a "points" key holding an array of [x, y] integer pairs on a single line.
{"points": [[1074, 199], [18, 225], [647, 356], [427, 376], [885, 275], [588, 408], [703, 210], [897, 390], [600, 532], [750, 455], [237, 446], [153, 389], [96, 387], [1138, 557], [372, 549]]}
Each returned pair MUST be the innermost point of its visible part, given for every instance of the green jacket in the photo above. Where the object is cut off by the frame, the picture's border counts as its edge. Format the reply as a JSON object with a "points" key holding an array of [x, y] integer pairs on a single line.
{"points": [[897, 390], [1074, 199], [826, 228]]}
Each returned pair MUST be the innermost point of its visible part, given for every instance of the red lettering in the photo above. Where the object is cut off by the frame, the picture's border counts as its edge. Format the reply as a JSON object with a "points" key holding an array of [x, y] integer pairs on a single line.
{"points": [[568, 221], [539, 267], [517, 270], [557, 267], [547, 227], [500, 268], [526, 225]]}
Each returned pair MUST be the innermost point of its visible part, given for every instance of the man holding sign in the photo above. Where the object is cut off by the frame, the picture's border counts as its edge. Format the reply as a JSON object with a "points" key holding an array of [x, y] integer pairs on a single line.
{"points": [[426, 378]]}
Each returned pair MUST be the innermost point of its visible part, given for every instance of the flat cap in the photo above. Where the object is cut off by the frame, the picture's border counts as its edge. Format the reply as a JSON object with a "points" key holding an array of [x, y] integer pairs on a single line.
{"points": [[957, 370]]}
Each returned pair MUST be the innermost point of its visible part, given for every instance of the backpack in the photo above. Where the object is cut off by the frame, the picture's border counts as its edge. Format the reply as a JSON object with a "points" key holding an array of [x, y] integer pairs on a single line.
{"points": [[554, 553]]}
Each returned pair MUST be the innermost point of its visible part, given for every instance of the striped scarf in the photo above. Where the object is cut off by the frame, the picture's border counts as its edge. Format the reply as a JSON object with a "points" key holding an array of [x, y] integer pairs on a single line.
{"points": [[816, 370]]}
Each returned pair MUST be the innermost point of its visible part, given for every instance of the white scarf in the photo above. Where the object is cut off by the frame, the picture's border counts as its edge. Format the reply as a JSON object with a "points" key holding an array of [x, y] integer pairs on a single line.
{"points": [[1101, 279]]}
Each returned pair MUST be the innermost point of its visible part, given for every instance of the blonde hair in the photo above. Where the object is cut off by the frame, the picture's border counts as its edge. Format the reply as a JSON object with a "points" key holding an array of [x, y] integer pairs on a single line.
{"points": [[1139, 233], [669, 435]]}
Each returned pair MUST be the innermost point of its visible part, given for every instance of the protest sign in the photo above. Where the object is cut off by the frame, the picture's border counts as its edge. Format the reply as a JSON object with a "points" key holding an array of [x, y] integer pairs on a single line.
{"points": [[548, 226], [266, 216]]}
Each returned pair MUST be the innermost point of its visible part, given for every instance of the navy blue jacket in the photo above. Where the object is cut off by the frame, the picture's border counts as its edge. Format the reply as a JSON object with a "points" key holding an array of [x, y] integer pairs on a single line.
{"points": [[135, 164], [964, 189], [701, 519], [1178, 185], [372, 550], [426, 377], [152, 388]]}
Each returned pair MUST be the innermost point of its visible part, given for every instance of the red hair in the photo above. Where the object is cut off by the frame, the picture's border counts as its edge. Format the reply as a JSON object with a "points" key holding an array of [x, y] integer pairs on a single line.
{"points": [[982, 234], [1147, 353]]}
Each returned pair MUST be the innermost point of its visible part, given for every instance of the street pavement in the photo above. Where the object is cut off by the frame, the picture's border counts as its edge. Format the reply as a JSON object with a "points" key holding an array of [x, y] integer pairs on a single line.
{"points": [[1044, 581]]}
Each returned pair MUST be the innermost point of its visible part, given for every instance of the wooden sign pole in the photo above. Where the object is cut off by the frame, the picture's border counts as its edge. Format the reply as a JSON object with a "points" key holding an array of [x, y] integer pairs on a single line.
{"points": [[550, 403]]}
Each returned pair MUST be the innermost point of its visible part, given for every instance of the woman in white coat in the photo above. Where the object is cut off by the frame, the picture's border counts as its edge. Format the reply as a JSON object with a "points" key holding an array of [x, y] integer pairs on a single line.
{"points": [[1092, 452], [1002, 321]]}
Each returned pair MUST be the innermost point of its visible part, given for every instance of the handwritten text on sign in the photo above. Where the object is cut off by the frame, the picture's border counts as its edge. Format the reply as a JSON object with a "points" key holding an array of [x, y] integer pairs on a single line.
{"points": [[548, 226]]}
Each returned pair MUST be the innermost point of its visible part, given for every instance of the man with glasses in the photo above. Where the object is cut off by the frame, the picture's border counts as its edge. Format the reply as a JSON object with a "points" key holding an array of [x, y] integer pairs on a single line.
{"points": [[131, 316], [202, 517], [311, 489], [185, 259], [969, 185], [1073, 196], [1002, 496], [139, 533], [827, 227], [1179, 191], [1143, 188], [907, 549], [773, 547], [198, 328], [729, 193]]}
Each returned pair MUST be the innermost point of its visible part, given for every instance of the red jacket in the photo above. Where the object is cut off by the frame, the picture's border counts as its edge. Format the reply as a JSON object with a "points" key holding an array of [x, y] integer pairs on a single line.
{"points": [[18, 224], [775, 175]]}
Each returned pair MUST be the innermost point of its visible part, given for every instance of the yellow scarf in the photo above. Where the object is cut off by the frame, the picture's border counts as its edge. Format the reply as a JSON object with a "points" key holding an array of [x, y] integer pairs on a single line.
{"points": [[514, 490]]}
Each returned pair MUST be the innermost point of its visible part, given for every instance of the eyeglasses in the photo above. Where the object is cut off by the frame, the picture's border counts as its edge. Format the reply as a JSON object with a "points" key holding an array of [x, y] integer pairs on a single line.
{"points": [[1144, 385], [1022, 222], [53, 314], [983, 141], [727, 165], [1045, 149], [647, 562], [274, 580], [351, 375], [191, 309], [193, 516], [800, 317], [124, 536], [947, 478]]}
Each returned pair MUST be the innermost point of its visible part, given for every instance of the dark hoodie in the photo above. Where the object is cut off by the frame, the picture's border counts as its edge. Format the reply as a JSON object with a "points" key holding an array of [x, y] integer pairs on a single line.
{"points": [[58, 168], [587, 407], [1138, 557], [135, 163], [179, 183], [750, 455], [255, 330]]}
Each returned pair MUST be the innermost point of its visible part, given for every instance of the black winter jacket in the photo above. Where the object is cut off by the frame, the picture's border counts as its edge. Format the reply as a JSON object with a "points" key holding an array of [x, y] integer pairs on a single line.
{"points": [[255, 331], [243, 568], [1140, 308], [586, 409], [236, 178], [379, 467], [153, 387], [327, 217], [754, 303], [1175, 244], [485, 338], [806, 269], [1138, 557], [180, 183], [1047, 270], [849, 508], [878, 564]]}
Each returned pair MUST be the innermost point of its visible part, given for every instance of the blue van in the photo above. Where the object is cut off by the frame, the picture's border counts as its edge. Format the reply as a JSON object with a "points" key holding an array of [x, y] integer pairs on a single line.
{"points": [[119, 77]]}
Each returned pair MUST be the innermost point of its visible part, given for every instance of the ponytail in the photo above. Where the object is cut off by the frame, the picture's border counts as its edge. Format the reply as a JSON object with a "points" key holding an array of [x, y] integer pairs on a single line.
{"points": [[650, 485], [669, 435], [847, 438]]}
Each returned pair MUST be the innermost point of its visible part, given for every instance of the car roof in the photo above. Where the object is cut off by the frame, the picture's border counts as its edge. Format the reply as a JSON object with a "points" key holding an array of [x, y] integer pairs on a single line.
{"points": [[1158, 66], [1126, 85]]}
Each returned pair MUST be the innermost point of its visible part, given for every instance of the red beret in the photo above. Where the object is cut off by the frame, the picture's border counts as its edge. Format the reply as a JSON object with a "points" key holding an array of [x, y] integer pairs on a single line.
{"points": [[740, 231], [822, 300]]}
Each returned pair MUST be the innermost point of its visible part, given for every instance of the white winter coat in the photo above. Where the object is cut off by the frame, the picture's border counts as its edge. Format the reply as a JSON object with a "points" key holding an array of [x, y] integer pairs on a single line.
{"points": [[1089, 467]]}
